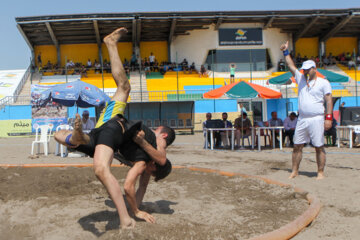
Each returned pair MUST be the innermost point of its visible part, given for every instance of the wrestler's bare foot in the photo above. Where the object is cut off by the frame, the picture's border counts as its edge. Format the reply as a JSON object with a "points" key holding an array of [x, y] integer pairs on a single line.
{"points": [[320, 176], [115, 36], [78, 137], [129, 225], [293, 175]]}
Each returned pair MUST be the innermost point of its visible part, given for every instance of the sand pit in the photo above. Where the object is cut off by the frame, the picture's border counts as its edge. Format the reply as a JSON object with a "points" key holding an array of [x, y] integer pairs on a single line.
{"points": [[69, 203]]}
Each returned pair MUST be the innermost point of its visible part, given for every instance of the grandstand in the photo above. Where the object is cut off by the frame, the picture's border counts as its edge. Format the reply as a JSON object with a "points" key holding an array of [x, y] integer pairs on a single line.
{"points": [[199, 37]]}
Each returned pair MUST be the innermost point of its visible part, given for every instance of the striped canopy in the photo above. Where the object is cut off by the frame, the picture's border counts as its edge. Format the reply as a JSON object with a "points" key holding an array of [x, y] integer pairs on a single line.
{"points": [[243, 90]]}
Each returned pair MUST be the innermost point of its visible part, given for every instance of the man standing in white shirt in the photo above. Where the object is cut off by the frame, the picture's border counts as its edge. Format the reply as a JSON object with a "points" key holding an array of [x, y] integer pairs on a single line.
{"points": [[313, 91], [289, 126], [152, 61]]}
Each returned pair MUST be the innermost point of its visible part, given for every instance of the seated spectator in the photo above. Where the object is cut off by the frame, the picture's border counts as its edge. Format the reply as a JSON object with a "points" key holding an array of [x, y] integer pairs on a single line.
{"points": [[226, 134], [281, 65], [107, 66], [275, 122], [87, 123], [192, 67], [351, 64], [216, 136], [88, 64], [83, 71], [97, 66], [332, 131], [69, 64], [202, 72], [289, 127], [243, 128], [358, 59], [184, 65], [156, 66], [326, 61]]}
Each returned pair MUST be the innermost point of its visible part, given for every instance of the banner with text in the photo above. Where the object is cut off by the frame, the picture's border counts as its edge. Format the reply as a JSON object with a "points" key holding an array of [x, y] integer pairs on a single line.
{"points": [[9, 128], [240, 36]]}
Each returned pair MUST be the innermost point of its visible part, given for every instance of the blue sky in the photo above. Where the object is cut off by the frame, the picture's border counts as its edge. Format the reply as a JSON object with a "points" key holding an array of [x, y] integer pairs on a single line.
{"points": [[15, 54]]}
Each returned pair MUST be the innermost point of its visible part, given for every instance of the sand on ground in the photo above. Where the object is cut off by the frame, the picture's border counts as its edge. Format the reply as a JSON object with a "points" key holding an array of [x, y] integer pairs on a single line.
{"points": [[182, 210]]}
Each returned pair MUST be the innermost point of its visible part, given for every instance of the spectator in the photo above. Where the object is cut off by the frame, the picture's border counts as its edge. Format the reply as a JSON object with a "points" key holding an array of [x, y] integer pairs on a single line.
{"points": [[243, 126], [39, 60], [83, 71], [97, 66], [232, 67], [151, 60], [216, 134], [202, 72], [226, 134], [275, 122], [133, 61], [289, 126], [351, 64], [88, 64], [192, 67], [332, 131], [87, 123], [107, 66], [184, 65], [156, 66], [281, 65]]}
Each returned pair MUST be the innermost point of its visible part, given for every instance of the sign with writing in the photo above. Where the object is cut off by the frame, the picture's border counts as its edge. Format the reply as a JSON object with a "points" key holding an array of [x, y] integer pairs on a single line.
{"points": [[15, 127], [55, 122], [240, 36]]}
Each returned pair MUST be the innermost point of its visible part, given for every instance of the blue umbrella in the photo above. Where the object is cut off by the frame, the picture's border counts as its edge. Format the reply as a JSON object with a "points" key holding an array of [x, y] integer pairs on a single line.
{"points": [[82, 94]]}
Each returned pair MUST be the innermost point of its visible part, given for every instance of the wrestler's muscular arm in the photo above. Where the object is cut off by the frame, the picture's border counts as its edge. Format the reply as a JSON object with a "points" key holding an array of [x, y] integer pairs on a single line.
{"points": [[129, 186], [159, 154], [288, 59]]}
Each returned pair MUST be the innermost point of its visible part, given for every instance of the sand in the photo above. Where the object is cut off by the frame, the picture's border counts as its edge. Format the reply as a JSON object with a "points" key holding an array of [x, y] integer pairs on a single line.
{"points": [[71, 204]]}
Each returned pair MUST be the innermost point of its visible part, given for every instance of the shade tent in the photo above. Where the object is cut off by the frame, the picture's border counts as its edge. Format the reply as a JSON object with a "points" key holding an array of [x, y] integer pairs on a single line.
{"points": [[243, 90], [331, 76]]}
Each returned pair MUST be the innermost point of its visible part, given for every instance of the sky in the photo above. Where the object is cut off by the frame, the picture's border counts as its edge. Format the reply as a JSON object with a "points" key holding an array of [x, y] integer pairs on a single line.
{"points": [[15, 54]]}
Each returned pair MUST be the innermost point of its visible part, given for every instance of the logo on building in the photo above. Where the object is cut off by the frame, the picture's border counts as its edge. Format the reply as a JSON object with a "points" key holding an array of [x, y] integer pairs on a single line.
{"points": [[240, 34]]}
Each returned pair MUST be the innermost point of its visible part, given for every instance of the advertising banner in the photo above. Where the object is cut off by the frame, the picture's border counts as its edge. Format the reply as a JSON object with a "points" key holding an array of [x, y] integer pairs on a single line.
{"points": [[10, 128], [9, 81], [46, 112], [240, 36]]}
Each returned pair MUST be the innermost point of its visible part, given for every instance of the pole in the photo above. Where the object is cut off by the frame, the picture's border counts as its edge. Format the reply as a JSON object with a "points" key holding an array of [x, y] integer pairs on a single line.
{"points": [[102, 70], [140, 69], [250, 66], [66, 69], [177, 78], [356, 91], [286, 95], [213, 70]]}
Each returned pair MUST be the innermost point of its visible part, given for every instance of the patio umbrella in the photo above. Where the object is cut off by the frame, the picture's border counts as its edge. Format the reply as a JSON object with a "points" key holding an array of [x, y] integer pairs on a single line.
{"points": [[331, 76], [243, 90], [82, 94]]}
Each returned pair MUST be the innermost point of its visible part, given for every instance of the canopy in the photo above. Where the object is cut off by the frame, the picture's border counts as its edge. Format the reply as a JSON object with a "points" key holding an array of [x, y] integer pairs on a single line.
{"points": [[80, 93], [243, 90], [331, 76]]}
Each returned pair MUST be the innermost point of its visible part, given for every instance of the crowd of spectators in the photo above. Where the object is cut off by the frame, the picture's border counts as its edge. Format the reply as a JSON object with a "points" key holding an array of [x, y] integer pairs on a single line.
{"points": [[243, 125], [346, 59], [148, 64]]}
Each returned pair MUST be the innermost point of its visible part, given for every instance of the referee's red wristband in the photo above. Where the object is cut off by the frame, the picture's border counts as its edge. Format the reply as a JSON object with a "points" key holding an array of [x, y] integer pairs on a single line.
{"points": [[328, 117]]}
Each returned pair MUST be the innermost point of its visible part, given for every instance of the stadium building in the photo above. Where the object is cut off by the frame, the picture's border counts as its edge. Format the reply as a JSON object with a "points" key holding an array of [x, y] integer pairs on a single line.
{"points": [[251, 40]]}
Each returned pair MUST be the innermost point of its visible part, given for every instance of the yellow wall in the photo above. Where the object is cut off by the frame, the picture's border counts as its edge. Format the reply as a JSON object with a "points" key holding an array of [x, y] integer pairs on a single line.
{"points": [[159, 49], [124, 49], [307, 47], [48, 52], [79, 52], [340, 45]]}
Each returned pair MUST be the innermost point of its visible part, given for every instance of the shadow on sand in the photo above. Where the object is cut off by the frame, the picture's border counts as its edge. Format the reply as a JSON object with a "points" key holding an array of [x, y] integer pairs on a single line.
{"points": [[88, 223]]}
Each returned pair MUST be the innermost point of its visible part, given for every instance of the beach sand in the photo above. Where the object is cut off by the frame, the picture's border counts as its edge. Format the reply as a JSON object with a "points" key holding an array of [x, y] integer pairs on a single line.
{"points": [[69, 203]]}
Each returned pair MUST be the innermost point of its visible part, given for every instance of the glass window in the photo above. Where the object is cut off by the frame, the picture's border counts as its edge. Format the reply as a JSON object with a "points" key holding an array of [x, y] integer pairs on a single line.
{"points": [[245, 59]]}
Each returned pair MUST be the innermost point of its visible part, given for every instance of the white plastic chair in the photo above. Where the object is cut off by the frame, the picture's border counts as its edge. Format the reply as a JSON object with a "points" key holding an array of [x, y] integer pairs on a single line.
{"points": [[42, 138], [59, 147]]}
